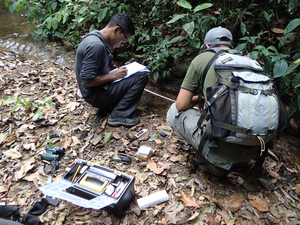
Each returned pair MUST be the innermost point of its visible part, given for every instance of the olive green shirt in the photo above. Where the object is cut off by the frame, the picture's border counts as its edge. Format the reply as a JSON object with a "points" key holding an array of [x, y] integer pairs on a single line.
{"points": [[194, 76]]}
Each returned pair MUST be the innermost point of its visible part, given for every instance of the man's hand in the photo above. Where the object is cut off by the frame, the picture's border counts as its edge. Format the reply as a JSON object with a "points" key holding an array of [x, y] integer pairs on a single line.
{"points": [[120, 73], [201, 104]]}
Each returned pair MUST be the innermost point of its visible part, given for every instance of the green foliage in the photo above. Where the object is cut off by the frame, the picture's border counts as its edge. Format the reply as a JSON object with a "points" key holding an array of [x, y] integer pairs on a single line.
{"points": [[67, 19], [28, 106], [49, 141], [18, 101], [175, 29]]}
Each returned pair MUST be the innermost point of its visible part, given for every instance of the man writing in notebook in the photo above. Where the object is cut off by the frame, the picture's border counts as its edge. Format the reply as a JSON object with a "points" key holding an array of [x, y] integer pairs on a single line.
{"points": [[92, 65]]}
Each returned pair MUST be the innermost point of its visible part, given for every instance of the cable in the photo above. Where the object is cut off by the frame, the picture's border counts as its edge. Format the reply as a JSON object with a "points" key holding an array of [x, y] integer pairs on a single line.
{"points": [[159, 95], [164, 97]]}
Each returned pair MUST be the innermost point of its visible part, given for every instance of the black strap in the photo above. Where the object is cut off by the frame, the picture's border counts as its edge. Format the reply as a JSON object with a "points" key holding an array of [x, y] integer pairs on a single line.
{"points": [[40, 206], [211, 61]]}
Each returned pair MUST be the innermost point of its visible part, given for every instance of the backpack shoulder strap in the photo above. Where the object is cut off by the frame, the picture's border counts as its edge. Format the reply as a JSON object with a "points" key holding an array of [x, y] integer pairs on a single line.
{"points": [[218, 51]]}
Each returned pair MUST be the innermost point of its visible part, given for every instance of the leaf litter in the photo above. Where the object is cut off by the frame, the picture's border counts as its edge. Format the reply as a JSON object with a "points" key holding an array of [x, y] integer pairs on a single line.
{"points": [[56, 115]]}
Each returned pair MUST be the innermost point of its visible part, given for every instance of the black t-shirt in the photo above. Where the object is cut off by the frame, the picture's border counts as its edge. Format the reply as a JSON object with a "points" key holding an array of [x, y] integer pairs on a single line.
{"points": [[92, 59]]}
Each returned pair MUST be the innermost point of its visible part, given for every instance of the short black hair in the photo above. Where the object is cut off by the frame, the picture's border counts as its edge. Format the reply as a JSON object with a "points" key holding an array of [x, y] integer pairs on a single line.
{"points": [[124, 21]]}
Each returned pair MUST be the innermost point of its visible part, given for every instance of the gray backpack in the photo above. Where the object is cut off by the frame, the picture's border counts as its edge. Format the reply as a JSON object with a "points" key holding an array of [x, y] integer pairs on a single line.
{"points": [[242, 107]]}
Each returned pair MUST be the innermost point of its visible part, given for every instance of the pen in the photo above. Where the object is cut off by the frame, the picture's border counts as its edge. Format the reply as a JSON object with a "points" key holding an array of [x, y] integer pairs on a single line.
{"points": [[75, 174]]}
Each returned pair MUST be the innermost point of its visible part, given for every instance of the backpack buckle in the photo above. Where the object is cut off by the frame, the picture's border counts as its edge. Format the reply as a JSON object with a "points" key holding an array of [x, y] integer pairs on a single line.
{"points": [[236, 81], [269, 133], [249, 132]]}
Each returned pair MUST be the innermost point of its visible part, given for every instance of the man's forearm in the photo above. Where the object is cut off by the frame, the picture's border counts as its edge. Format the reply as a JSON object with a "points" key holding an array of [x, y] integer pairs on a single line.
{"points": [[99, 80]]}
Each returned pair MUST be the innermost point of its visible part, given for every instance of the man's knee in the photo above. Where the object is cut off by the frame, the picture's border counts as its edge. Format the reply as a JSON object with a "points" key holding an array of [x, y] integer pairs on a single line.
{"points": [[171, 114]]}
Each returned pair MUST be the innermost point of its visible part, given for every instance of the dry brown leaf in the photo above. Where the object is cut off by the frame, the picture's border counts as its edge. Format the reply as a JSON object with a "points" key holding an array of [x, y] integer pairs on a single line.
{"points": [[36, 176], [13, 154], [50, 70], [61, 99], [179, 158], [260, 204], [172, 149], [30, 146], [96, 139], [9, 139], [297, 190], [60, 218], [86, 115], [209, 219], [21, 201], [278, 30], [3, 188], [72, 106], [225, 216], [75, 141], [188, 200], [274, 174], [157, 141], [82, 213], [2, 137], [25, 168], [49, 111], [65, 143], [151, 165], [234, 202], [164, 127]]}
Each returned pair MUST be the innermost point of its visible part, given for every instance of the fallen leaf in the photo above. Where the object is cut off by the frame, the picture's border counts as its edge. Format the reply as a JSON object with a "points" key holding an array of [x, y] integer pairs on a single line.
{"points": [[297, 190], [96, 139], [72, 106], [234, 202], [172, 149], [49, 111], [9, 139], [75, 141], [258, 203], [188, 200], [65, 143], [224, 214], [30, 146], [157, 141], [179, 158], [211, 208], [164, 127], [2, 137], [61, 100], [60, 218], [274, 174], [50, 70], [3, 188], [36, 176], [25, 168], [209, 219], [81, 213], [151, 165], [278, 30], [13, 154]]}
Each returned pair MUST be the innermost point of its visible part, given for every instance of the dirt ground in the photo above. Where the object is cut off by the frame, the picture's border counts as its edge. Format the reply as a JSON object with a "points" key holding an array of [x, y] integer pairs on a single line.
{"points": [[39, 107]]}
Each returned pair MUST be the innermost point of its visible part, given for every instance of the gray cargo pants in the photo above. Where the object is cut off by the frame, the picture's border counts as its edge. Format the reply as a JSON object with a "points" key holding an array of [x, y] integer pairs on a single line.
{"points": [[184, 123]]}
